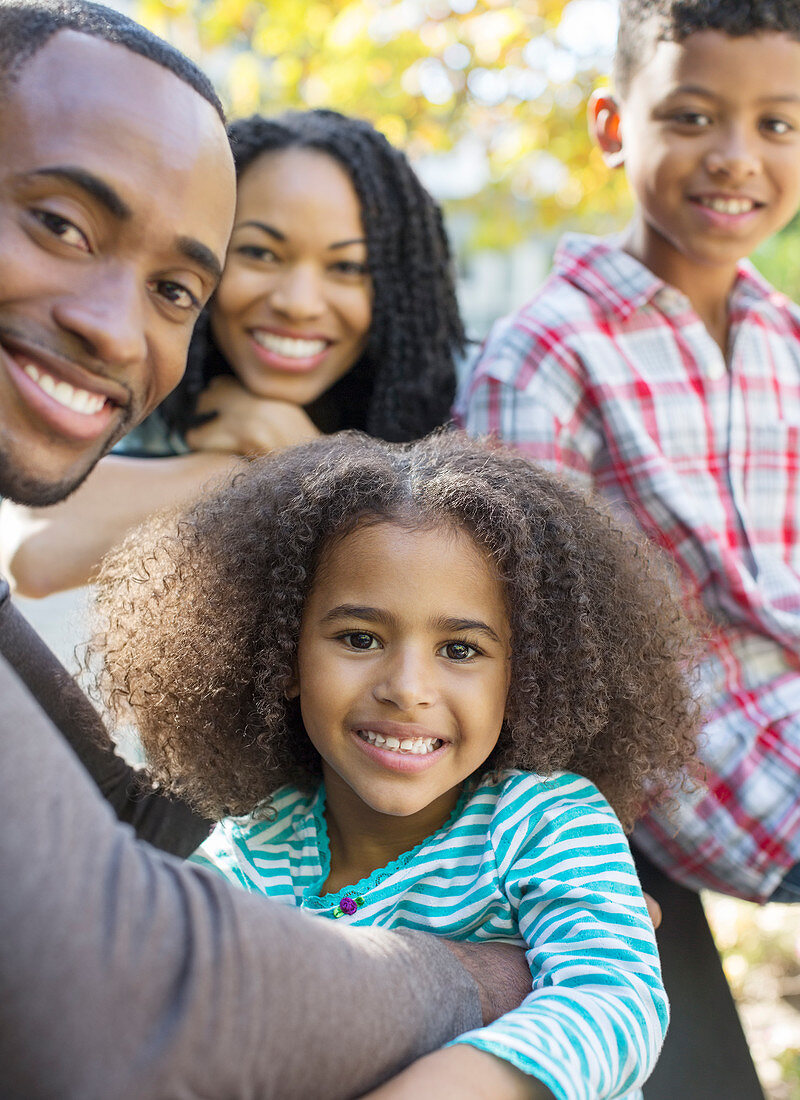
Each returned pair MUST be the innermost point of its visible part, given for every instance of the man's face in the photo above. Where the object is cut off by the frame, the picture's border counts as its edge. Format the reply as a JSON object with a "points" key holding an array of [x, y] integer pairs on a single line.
{"points": [[117, 195]]}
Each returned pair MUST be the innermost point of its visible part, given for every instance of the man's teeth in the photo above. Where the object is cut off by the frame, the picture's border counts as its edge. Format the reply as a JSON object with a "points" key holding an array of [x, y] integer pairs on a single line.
{"points": [[728, 206], [419, 746], [290, 347], [80, 401]]}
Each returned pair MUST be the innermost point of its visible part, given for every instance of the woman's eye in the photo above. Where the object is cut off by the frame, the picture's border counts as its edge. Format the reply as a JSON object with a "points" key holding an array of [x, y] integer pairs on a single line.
{"points": [[65, 230], [257, 252], [349, 267], [175, 293], [459, 651], [360, 639]]}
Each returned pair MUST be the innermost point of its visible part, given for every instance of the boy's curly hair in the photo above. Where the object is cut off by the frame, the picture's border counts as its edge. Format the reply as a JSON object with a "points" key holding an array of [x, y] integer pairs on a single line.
{"points": [[403, 385], [198, 621], [644, 23]]}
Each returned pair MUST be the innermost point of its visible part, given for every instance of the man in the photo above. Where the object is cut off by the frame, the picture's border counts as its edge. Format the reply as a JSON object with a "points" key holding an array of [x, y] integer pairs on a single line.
{"points": [[122, 972]]}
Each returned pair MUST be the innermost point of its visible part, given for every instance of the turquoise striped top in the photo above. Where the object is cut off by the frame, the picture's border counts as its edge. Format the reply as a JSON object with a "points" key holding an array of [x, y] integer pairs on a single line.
{"points": [[540, 861]]}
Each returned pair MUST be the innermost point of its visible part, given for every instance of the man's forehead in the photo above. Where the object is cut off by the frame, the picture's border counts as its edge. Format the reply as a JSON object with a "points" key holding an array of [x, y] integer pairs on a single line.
{"points": [[97, 107]]}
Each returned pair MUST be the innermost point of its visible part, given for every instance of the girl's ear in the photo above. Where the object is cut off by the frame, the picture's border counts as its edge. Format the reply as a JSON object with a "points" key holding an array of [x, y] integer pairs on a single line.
{"points": [[604, 126], [293, 690]]}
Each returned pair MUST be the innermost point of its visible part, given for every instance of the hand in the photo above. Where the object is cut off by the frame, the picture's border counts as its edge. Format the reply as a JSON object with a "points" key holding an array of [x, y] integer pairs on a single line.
{"points": [[245, 424], [461, 1072], [654, 909], [500, 971]]}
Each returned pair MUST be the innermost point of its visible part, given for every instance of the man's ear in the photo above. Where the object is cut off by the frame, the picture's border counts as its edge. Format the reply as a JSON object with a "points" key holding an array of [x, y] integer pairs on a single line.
{"points": [[604, 126]]}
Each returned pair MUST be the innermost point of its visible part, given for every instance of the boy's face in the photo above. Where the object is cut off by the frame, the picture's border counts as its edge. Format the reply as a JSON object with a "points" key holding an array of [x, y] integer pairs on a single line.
{"points": [[403, 668], [709, 133]]}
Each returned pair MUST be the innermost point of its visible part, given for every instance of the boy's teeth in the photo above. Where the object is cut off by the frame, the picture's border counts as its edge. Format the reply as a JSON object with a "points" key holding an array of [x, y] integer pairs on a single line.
{"points": [[419, 746], [290, 347], [80, 401], [729, 206]]}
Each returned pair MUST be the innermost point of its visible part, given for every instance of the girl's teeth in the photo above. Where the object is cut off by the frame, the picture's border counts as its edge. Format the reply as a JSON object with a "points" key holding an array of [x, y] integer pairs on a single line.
{"points": [[289, 346], [80, 401], [418, 746], [729, 206]]}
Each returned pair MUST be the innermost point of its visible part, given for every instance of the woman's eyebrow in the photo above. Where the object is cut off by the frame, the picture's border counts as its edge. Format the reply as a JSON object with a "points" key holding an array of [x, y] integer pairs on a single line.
{"points": [[344, 244], [263, 226]]}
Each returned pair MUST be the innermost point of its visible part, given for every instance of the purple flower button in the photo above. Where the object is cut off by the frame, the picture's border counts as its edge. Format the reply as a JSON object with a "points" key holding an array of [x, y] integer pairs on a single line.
{"points": [[348, 906]]}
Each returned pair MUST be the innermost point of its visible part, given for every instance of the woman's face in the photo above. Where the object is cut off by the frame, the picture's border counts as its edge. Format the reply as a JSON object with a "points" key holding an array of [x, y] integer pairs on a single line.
{"points": [[294, 306]]}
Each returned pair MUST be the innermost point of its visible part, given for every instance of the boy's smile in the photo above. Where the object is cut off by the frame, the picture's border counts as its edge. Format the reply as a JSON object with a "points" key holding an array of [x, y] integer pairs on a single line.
{"points": [[403, 667], [709, 132]]}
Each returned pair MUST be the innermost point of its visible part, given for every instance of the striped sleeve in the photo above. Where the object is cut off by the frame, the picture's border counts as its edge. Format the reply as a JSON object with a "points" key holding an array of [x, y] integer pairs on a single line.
{"points": [[593, 1025]]}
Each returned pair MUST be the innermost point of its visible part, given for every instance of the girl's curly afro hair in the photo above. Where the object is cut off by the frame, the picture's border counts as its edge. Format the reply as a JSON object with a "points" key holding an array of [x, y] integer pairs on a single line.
{"points": [[198, 620]]}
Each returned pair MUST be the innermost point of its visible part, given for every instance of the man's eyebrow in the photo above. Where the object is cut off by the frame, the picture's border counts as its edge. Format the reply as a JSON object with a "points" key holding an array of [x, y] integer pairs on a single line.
{"points": [[90, 183], [201, 254]]}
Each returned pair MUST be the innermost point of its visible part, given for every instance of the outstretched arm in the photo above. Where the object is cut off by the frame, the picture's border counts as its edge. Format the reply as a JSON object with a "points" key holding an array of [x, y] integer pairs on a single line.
{"points": [[152, 978], [45, 550]]}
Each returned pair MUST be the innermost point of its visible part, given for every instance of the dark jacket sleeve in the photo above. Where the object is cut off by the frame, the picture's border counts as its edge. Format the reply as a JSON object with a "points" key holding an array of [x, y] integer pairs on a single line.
{"points": [[165, 822], [126, 973]]}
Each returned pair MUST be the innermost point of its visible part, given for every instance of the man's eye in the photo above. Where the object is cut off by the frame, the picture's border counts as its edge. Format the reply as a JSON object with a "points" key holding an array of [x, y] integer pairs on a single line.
{"points": [[63, 229], [175, 293], [360, 639], [459, 651]]}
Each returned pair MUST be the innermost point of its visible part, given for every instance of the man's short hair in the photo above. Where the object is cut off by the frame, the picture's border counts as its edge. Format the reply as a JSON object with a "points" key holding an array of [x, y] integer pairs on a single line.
{"points": [[645, 23], [27, 25]]}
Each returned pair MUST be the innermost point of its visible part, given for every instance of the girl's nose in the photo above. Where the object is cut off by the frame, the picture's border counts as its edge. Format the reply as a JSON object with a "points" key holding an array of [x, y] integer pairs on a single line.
{"points": [[298, 294], [407, 681]]}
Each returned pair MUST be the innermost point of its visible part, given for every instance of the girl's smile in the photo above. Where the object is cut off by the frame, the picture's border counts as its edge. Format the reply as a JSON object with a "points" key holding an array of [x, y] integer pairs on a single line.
{"points": [[403, 670]]}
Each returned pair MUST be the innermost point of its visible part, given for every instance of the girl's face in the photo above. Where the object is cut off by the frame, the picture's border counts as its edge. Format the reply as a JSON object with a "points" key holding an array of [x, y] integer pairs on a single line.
{"points": [[403, 668], [294, 306]]}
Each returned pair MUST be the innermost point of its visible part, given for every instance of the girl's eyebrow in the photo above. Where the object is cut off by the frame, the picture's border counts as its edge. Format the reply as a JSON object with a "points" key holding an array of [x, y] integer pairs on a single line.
{"points": [[376, 615]]}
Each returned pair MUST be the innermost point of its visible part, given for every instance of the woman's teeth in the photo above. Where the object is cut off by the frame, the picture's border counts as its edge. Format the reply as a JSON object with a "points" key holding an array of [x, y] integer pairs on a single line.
{"points": [[419, 746], [289, 346], [80, 401]]}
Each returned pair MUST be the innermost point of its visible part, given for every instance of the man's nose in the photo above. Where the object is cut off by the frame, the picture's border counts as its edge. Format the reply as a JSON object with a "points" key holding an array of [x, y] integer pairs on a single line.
{"points": [[105, 311]]}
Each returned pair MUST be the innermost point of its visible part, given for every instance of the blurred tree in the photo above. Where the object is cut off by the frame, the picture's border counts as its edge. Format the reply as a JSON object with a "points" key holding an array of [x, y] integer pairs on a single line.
{"points": [[500, 87]]}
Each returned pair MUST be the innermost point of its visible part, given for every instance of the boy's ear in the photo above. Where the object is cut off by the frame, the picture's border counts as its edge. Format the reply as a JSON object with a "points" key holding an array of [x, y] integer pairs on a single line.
{"points": [[604, 126]]}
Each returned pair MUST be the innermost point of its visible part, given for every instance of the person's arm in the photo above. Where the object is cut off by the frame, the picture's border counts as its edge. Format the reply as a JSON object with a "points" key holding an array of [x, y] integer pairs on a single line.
{"points": [[45, 550], [245, 424], [168, 823], [594, 1021], [127, 974]]}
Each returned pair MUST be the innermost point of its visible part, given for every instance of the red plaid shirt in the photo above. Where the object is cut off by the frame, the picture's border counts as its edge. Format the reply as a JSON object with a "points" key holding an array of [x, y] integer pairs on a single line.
{"points": [[608, 374]]}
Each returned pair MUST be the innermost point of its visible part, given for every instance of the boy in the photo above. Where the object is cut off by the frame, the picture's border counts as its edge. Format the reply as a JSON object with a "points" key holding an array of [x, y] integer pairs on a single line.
{"points": [[660, 369]]}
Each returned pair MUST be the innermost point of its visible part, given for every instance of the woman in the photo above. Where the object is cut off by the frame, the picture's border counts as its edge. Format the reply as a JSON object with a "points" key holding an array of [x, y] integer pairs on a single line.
{"points": [[336, 309]]}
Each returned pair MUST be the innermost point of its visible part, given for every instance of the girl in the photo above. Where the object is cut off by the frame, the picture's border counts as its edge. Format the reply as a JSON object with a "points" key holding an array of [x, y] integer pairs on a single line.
{"points": [[402, 675], [336, 309]]}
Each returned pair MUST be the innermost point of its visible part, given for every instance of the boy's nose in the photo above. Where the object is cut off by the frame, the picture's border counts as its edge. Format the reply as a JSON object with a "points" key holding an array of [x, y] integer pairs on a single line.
{"points": [[733, 156], [407, 682]]}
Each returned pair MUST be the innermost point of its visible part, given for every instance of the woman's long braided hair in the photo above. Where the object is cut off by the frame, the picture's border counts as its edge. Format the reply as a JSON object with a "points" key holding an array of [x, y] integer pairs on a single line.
{"points": [[403, 384]]}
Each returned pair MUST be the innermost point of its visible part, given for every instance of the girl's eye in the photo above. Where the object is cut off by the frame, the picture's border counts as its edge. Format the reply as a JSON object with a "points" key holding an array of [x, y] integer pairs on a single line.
{"points": [[360, 639], [175, 293], [63, 229], [459, 651]]}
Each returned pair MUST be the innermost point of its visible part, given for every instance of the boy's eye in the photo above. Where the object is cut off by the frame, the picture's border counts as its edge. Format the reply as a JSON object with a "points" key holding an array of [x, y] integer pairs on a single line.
{"points": [[65, 230], [777, 125], [459, 651], [694, 119], [360, 639]]}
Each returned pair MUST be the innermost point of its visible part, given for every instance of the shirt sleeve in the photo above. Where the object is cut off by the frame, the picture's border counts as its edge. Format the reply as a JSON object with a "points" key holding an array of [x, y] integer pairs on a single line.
{"points": [[529, 389], [594, 1023]]}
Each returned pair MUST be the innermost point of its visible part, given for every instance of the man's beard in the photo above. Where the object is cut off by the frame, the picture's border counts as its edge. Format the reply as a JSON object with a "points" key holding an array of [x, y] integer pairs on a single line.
{"points": [[19, 486]]}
